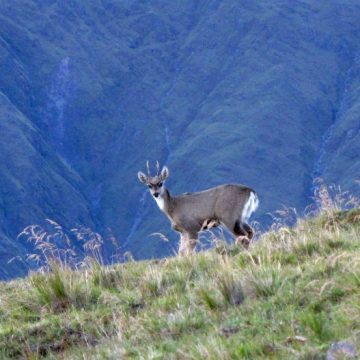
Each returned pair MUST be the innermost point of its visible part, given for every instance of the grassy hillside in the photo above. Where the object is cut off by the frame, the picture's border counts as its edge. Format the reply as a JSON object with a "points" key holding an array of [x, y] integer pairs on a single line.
{"points": [[292, 295]]}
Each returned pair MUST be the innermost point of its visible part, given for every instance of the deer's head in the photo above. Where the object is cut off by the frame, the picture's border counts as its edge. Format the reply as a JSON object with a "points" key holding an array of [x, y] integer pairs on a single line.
{"points": [[154, 183]]}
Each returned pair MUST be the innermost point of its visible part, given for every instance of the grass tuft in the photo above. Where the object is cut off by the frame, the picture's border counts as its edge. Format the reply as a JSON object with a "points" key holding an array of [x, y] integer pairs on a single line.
{"points": [[230, 288], [266, 281]]}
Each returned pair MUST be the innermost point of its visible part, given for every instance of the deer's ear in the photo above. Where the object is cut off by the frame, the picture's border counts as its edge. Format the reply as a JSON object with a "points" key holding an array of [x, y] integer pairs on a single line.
{"points": [[142, 177], [164, 173]]}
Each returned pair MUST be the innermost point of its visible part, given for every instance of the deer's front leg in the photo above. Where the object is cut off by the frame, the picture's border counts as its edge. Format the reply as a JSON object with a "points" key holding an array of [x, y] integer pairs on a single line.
{"points": [[187, 244]]}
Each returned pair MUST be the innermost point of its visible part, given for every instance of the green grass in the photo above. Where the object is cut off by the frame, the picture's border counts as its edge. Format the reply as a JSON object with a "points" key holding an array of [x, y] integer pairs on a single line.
{"points": [[290, 296]]}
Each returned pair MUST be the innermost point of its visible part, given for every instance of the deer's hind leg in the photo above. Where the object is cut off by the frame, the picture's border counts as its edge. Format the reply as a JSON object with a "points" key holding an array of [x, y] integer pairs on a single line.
{"points": [[249, 230], [243, 232]]}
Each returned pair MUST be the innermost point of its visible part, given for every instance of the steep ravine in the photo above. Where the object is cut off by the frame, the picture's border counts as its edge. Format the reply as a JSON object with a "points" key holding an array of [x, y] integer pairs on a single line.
{"points": [[325, 145], [58, 95]]}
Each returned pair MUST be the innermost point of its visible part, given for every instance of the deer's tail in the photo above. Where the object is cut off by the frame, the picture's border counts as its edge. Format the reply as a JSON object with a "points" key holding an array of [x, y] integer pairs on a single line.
{"points": [[250, 206]]}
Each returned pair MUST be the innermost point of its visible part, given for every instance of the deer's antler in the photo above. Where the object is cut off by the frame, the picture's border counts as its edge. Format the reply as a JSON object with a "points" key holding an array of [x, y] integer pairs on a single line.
{"points": [[157, 168], [147, 167]]}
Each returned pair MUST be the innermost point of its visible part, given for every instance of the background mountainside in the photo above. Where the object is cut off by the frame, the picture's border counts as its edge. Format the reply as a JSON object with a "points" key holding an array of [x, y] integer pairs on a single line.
{"points": [[264, 94]]}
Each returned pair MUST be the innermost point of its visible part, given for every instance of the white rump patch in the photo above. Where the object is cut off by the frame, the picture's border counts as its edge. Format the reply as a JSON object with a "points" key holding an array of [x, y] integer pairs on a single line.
{"points": [[250, 206], [160, 201]]}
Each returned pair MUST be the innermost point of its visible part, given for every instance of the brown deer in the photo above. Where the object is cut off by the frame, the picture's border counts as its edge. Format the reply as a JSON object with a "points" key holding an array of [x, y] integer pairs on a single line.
{"points": [[230, 205]]}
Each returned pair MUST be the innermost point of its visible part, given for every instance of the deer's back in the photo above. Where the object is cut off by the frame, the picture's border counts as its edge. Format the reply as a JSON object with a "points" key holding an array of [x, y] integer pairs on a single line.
{"points": [[218, 202], [231, 201]]}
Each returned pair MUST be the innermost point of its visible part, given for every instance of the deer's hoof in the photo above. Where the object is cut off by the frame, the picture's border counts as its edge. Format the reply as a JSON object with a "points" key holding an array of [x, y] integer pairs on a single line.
{"points": [[243, 241], [250, 234]]}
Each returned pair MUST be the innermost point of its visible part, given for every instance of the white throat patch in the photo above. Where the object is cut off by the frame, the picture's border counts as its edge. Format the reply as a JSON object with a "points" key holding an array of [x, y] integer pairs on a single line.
{"points": [[160, 201]]}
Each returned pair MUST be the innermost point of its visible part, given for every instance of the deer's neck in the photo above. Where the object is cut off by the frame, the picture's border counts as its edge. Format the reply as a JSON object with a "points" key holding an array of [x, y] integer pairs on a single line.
{"points": [[164, 201]]}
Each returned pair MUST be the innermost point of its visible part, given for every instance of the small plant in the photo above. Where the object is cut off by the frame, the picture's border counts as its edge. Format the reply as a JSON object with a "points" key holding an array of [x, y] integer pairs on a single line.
{"points": [[51, 289], [331, 197], [319, 324], [230, 288], [53, 243], [152, 283], [60, 289], [209, 298], [266, 281]]}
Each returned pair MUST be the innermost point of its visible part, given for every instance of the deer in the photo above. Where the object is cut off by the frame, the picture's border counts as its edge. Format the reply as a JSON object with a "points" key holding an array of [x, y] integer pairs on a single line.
{"points": [[229, 205]]}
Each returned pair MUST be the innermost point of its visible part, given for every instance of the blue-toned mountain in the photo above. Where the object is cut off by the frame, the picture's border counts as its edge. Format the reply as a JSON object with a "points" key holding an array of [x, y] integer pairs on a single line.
{"points": [[261, 93]]}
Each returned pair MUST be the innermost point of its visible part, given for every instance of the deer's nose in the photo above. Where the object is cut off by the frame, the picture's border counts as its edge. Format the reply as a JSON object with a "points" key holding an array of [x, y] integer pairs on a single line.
{"points": [[156, 194]]}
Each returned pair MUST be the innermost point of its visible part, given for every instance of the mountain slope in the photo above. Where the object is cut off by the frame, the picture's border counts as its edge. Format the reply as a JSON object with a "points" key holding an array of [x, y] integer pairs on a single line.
{"points": [[35, 184], [221, 91]]}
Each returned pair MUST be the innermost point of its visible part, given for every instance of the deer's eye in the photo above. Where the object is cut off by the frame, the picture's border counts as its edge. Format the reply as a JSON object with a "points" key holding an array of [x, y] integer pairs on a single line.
{"points": [[149, 186], [160, 184]]}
